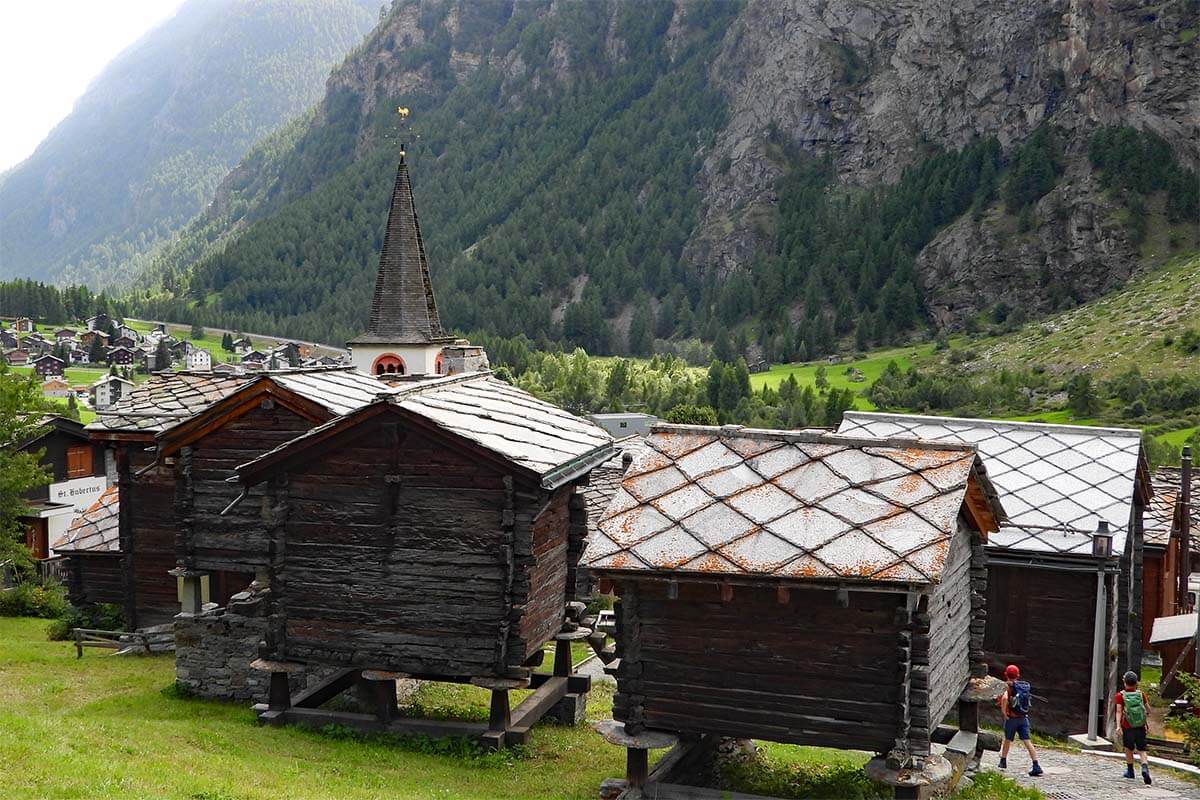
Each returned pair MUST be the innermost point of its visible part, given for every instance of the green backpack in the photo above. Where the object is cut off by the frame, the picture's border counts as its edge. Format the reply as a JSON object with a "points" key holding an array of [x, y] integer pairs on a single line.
{"points": [[1135, 708]]}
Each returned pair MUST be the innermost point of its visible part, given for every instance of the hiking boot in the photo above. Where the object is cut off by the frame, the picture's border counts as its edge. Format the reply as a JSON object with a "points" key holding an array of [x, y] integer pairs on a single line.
{"points": [[1037, 770], [1129, 771], [1004, 763], [1146, 775]]}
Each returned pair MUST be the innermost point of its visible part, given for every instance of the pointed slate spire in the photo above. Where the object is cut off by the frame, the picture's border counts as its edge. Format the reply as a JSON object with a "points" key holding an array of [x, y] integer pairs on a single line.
{"points": [[403, 309]]}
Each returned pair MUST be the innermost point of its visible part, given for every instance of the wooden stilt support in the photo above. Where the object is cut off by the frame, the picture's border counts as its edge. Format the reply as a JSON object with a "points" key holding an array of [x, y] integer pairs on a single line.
{"points": [[280, 697], [637, 765], [500, 717], [382, 694]]}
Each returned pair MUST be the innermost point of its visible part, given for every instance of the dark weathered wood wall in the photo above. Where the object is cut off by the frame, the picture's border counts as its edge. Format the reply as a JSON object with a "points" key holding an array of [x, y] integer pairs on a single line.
{"points": [[236, 541], [807, 671], [547, 582], [148, 513], [950, 628], [1042, 620], [95, 578], [398, 550]]}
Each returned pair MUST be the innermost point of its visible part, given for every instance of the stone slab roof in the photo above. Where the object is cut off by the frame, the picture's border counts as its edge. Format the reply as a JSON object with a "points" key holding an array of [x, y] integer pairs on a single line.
{"points": [[162, 401], [339, 389], [1159, 519], [552, 443], [786, 504], [96, 530], [1056, 481]]}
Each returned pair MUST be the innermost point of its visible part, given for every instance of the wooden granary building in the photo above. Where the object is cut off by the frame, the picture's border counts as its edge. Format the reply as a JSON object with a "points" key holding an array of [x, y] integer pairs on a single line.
{"points": [[147, 523], [433, 533], [266, 411], [1065, 570], [798, 587]]}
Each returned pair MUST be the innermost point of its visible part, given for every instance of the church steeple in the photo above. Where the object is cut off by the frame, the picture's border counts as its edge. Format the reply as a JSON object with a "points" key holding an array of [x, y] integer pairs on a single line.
{"points": [[403, 308], [404, 335]]}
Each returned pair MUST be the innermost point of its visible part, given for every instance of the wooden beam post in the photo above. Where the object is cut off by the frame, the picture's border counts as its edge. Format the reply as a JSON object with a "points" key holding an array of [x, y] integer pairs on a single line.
{"points": [[637, 765], [500, 715], [280, 696]]}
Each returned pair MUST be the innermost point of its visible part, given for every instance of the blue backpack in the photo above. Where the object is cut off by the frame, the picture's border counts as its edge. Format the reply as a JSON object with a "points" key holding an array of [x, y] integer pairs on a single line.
{"points": [[1020, 698]]}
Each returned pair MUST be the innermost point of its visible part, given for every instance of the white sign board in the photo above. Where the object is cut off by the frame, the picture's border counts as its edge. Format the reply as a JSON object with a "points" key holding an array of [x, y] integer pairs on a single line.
{"points": [[78, 493]]}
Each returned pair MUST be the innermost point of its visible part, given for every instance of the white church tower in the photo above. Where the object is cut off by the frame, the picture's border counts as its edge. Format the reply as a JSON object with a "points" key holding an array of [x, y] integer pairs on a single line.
{"points": [[404, 335]]}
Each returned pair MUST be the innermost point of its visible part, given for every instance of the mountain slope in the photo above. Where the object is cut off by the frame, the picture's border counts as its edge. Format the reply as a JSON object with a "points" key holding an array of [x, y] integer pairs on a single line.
{"points": [[775, 178], [145, 147]]}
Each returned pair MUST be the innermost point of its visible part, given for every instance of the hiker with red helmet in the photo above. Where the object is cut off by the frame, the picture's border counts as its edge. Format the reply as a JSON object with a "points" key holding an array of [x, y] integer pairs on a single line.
{"points": [[1131, 710], [1014, 705]]}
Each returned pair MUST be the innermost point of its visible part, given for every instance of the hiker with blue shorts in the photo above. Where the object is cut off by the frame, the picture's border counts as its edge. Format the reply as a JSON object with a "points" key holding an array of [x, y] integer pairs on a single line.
{"points": [[1015, 704]]}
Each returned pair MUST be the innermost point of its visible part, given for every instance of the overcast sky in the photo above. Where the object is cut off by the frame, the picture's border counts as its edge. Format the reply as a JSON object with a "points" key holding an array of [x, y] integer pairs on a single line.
{"points": [[50, 50]]}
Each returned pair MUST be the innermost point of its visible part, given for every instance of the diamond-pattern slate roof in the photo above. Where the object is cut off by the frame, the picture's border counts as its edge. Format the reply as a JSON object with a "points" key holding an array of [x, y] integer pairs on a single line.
{"points": [[164, 400], [1159, 517], [1056, 481], [785, 504], [514, 424], [96, 530], [605, 479]]}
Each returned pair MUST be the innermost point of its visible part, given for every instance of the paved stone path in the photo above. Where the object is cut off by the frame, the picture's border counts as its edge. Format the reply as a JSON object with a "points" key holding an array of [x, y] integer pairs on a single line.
{"points": [[1080, 776]]}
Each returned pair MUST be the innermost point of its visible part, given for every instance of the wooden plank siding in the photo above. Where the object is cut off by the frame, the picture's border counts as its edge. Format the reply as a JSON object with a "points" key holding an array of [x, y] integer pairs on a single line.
{"points": [[950, 628], [547, 582], [148, 515], [804, 672], [1041, 620], [95, 578], [396, 551], [236, 541]]}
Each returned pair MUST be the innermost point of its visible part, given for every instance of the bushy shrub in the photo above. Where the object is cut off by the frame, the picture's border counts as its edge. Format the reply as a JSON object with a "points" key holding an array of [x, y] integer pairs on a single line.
{"points": [[1189, 726], [101, 616], [31, 599]]}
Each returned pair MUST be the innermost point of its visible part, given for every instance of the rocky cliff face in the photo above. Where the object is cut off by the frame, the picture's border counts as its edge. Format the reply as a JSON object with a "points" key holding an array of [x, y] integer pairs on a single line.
{"points": [[871, 83]]}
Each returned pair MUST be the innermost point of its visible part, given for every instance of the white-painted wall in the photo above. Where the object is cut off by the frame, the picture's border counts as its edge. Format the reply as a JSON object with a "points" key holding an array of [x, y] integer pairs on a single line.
{"points": [[418, 359]]}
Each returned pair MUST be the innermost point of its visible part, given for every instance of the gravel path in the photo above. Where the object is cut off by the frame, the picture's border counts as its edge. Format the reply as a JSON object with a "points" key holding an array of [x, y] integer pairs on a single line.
{"points": [[1080, 776]]}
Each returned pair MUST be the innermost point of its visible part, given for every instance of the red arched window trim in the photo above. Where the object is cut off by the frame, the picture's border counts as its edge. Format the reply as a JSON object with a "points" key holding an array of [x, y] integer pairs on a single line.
{"points": [[389, 364]]}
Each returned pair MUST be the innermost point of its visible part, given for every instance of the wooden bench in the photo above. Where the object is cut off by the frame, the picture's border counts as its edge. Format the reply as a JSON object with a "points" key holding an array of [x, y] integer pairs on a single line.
{"points": [[86, 637]]}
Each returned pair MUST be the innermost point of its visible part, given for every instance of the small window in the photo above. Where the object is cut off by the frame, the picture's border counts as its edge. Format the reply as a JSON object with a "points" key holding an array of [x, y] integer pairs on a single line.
{"points": [[79, 461], [624, 424]]}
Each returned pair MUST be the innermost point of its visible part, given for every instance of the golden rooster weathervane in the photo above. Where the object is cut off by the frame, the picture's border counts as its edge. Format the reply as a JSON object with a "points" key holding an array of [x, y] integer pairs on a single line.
{"points": [[402, 111]]}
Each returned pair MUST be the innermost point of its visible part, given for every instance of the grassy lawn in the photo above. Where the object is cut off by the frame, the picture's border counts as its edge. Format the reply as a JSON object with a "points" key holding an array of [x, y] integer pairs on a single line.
{"points": [[837, 374], [77, 376], [107, 726]]}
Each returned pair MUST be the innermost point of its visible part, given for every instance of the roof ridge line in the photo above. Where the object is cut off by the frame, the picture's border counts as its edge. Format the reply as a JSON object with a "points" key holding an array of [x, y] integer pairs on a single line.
{"points": [[1042, 426], [811, 437]]}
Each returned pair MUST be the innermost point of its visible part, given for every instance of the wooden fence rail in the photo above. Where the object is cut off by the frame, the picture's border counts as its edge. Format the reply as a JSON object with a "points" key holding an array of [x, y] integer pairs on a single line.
{"points": [[112, 640]]}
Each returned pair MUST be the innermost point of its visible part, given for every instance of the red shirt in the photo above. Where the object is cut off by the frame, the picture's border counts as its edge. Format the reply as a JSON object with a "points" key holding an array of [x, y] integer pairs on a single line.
{"points": [[1119, 699]]}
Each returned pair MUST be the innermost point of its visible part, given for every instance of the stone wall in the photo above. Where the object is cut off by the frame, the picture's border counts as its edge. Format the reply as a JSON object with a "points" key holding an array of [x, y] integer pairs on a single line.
{"points": [[213, 650]]}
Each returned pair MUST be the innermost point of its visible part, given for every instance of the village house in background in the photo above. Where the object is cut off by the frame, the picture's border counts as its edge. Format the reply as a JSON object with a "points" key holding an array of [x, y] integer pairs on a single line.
{"points": [[108, 390], [77, 475], [1065, 570], [748, 563], [91, 550]]}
